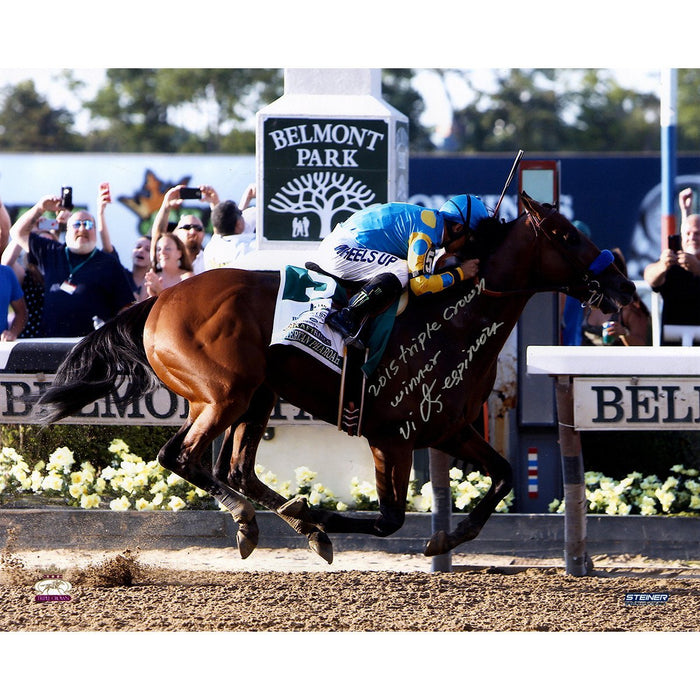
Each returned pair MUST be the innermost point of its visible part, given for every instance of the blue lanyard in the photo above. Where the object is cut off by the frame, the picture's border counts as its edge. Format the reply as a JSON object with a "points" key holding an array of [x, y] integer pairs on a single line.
{"points": [[72, 270]]}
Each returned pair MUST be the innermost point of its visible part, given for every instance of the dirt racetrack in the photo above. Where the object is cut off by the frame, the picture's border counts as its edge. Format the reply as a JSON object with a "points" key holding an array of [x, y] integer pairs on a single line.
{"points": [[292, 590]]}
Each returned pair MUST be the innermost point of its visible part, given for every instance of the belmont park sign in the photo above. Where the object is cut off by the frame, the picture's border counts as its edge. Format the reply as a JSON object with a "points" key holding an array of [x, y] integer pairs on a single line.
{"points": [[318, 171], [20, 392], [636, 403]]}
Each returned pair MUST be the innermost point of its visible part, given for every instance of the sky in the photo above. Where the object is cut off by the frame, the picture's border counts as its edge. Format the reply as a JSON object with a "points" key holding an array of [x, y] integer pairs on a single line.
{"points": [[636, 43]]}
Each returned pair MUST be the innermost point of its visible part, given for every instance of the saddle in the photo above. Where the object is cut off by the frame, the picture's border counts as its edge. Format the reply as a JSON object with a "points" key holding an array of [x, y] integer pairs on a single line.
{"points": [[305, 298]]}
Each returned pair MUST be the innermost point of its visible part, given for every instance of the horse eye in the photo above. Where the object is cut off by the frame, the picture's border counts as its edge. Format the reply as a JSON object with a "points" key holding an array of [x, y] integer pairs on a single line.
{"points": [[572, 237]]}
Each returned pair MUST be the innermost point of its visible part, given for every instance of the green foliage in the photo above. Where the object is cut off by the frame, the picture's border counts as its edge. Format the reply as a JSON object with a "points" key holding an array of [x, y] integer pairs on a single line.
{"points": [[29, 123], [88, 442], [204, 110]]}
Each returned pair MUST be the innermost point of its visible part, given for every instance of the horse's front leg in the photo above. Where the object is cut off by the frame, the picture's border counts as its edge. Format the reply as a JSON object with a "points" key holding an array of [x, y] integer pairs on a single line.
{"points": [[473, 447], [392, 465]]}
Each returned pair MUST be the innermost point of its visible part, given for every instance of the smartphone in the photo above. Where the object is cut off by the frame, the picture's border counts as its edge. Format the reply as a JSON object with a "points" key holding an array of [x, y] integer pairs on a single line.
{"points": [[674, 242], [104, 189], [47, 225], [67, 198], [190, 193]]}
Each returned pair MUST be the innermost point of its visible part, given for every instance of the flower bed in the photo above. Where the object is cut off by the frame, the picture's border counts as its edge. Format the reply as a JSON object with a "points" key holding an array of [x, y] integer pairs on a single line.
{"points": [[131, 483], [642, 495]]}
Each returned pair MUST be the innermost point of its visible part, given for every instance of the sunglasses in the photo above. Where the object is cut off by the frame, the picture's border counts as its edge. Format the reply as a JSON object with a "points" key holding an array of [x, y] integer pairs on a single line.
{"points": [[87, 224], [196, 227]]}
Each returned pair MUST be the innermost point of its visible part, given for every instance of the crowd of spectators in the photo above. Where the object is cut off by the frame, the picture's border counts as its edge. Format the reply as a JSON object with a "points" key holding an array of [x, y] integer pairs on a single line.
{"points": [[61, 276]]}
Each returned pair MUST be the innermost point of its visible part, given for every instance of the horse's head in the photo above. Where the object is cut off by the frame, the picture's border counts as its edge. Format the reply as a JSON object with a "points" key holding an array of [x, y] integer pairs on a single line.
{"points": [[571, 260]]}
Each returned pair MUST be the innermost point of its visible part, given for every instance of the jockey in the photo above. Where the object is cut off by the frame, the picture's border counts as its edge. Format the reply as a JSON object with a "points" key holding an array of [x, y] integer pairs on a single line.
{"points": [[388, 246]]}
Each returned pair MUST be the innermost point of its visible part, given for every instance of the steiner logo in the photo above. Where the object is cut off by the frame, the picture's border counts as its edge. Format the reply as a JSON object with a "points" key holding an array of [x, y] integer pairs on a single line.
{"points": [[646, 598]]}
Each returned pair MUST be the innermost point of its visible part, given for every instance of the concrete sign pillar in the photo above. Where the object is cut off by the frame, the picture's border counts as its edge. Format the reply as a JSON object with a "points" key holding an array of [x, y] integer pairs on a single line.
{"points": [[328, 147]]}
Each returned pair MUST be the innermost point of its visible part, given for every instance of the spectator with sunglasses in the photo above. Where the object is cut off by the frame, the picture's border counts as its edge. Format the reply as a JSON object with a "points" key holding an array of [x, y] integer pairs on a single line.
{"points": [[189, 228], [81, 282]]}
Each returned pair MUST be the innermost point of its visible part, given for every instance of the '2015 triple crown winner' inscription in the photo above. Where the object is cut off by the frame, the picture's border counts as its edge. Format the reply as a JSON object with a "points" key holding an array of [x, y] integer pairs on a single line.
{"points": [[431, 399]]}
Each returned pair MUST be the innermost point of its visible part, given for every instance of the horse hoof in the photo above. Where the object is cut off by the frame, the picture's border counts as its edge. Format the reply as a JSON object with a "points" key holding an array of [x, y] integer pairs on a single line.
{"points": [[247, 540], [438, 544], [322, 545], [296, 507]]}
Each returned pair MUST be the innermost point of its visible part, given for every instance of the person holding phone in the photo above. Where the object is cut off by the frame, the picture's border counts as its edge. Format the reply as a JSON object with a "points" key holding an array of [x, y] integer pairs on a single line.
{"points": [[189, 228], [676, 274], [81, 282]]}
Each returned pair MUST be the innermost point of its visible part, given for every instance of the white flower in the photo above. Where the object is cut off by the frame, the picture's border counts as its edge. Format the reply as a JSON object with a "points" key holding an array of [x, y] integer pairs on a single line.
{"points": [[90, 501], [159, 487], [108, 473], [52, 482], [77, 490], [176, 503], [120, 503], [118, 446], [143, 504], [62, 459], [304, 476], [37, 479], [647, 506], [666, 499]]}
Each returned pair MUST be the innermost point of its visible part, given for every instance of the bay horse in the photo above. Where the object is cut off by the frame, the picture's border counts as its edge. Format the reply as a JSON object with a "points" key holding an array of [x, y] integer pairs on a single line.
{"points": [[208, 340]]}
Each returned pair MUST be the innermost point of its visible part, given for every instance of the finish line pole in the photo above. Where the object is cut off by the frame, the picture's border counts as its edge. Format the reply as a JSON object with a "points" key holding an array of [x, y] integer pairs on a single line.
{"points": [[439, 464], [668, 154], [577, 561]]}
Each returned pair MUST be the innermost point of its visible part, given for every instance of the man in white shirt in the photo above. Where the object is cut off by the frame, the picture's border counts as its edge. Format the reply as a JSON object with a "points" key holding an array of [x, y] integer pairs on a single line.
{"points": [[233, 237]]}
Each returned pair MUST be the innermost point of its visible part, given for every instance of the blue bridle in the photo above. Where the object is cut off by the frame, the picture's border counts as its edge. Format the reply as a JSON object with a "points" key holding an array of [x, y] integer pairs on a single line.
{"points": [[603, 261]]}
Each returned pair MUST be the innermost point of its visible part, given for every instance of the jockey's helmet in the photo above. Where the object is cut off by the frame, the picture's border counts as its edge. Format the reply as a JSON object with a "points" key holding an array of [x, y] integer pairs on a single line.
{"points": [[466, 209]]}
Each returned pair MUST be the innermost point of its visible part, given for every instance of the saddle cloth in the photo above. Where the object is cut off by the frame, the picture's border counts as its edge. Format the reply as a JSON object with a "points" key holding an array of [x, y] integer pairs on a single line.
{"points": [[304, 300]]}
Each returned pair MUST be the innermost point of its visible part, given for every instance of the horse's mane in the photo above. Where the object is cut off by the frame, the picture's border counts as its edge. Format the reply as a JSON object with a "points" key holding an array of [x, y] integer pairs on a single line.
{"points": [[488, 236]]}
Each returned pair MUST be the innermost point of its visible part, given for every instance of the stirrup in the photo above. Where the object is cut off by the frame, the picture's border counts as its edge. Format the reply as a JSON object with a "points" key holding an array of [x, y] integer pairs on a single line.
{"points": [[350, 336]]}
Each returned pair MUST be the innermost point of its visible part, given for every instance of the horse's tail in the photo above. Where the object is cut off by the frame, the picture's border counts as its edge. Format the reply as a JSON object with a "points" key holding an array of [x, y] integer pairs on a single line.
{"points": [[101, 361]]}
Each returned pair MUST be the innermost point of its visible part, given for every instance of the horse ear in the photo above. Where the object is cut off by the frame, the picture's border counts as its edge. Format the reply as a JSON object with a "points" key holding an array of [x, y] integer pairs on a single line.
{"points": [[529, 203]]}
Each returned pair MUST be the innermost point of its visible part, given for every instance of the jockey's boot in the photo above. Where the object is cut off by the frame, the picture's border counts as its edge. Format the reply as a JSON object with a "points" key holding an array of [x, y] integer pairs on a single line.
{"points": [[372, 299]]}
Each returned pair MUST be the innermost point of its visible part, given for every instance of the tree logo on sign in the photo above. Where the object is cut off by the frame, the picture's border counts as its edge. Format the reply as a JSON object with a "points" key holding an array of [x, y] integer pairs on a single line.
{"points": [[322, 194]]}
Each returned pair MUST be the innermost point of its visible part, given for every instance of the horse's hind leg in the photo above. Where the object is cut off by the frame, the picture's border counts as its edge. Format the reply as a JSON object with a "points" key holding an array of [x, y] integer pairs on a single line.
{"points": [[179, 456], [239, 451], [474, 447], [392, 464]]}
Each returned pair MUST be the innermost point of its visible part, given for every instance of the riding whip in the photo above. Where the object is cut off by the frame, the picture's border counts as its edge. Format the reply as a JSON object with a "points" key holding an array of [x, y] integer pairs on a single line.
{"points": [[516, 162]]}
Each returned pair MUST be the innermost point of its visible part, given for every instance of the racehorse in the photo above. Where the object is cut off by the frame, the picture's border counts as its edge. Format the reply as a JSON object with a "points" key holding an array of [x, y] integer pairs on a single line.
{"points": [[208, 340]]}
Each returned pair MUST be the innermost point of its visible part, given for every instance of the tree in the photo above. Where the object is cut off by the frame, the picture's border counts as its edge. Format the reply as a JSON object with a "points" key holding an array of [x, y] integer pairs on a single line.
{"points": [[555, 110], [29, 123], [400, 94], [688, 110], [161, 109], [134, 115]]}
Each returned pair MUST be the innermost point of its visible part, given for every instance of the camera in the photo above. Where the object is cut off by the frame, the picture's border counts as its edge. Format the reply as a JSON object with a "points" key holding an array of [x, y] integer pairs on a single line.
{"points": [[674, 242], [190, 193], [67, 198]]}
